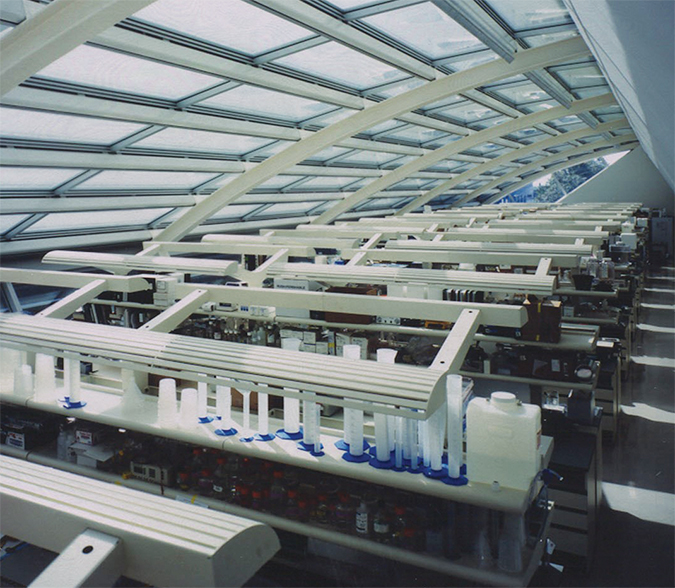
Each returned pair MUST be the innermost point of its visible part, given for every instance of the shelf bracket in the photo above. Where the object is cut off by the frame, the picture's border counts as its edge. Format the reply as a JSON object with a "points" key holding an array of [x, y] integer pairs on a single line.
{"points": [[168, 320], [68, 305], [451, 354]]}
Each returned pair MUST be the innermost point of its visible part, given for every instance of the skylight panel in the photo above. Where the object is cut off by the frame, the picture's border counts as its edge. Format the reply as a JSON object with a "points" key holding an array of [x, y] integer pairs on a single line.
{"points": [[92, 66], [328, 182], [580, 77], [324, 207], [490, 122], [9, 221], [234, 211], [525, 14], [262, 102], [455, 99], [273, 148], [468, 112], [521, 93], [474, 60], [592, 91], [410, 184], [338, 63], [426, 29], [369, 157], [47, 126], [35, 178], [278, 182], [329, 153], [333, 117], [233, 23], [130, 179], [547, 38], [524, 133], [417, 134], [287, 208], [385, 126], [409, 84], [350, 4], [201, 141], [375, 203], [68, 221]]}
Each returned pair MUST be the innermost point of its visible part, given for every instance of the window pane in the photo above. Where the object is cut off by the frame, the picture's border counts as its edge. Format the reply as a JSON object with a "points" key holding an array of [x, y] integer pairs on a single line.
{"points": [[287, 208], [427, 29], [279, 182], [46, 126], [333, 117], [490, 122], [106, 69], [328, 182], [547, 38], [233, 23], [523, 92], [273, 148], [525, 133], [374, 203], [329, 153], [593, 91], [409, 84], [189, 140], [369, 157], [350, 4], [234, 211], [525, 14], [64, 221], [468, 112], [261, 102], [34, 178], [473, 60], [417, 134], [385, 126], [121, 179], [580, 77], [336, 62], [7, 221]]}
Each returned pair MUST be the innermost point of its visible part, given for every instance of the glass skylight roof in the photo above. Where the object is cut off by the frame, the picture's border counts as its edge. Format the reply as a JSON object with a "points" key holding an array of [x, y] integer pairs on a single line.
{"points": [[34, 178], [328, 182], [64, 221], [9, 221], [468, 112], [235, 211], [329, 153], [191, 140], [350, 4], [580, 76], [232, 23], [426, 28], [409, 84], [92, 66], [525, 14], [417, 134], [369, 157], [129, 179], [521, 93], [287, 208], [279, 182], [47, 126], [262, 102], [338, 63]]}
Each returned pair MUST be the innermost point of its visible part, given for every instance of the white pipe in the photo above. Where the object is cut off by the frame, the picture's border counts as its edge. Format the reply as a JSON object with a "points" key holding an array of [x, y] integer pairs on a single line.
{"points": [[436, 424], [399, 442], [455, 423], [351, 352], [317, 430], [246, 395], [202, 400], [384, 424], [263, 413]]}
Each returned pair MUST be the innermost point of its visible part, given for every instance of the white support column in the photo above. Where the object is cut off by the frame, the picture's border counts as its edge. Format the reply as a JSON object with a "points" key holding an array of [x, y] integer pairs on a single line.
{"points": [[361, 257], [93, 559], [54, 31], [451, 354], [168, 320], [68, 305], [544, 267], [369, 117]]}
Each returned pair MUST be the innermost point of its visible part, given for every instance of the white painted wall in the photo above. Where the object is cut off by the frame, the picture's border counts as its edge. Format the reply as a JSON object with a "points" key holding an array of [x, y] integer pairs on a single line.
{"points": [[631, 179], [634, 44]]}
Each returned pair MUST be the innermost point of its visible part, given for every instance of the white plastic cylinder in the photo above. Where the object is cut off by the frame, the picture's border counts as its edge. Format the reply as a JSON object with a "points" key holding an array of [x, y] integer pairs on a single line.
{"points": [[391, 431], [356, 445], [317, 427], [381, 437], [263, 413], [188, 407], [399, 442], [71, 379], [246, 396], [350, 352], [45, 377], [291, 405], [224, 405], [385, 355], [414, 444], [202, 400], [436, 424], [167, 404], [309, 432], [23, 381], [455, 424]]}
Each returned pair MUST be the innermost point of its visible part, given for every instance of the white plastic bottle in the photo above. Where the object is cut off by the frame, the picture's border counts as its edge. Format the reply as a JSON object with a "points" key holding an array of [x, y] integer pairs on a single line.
{"points": [[503, 439]]}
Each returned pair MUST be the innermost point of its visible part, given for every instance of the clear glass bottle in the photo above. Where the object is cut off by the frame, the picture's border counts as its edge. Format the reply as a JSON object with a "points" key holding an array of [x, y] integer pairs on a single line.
{"points": [[362, 520], [382, 523]]}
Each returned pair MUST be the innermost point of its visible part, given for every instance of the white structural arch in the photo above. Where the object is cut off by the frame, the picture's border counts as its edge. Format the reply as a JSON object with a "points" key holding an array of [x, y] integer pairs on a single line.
{"points": [[373, 115], [504, 159], [449, 150], [54, 31], [549, 170]]}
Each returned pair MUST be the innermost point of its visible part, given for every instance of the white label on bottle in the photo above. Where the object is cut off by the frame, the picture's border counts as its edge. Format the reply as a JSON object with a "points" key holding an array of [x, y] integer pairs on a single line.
{"points": [[381, 528], [361, 522], [16, 440]]}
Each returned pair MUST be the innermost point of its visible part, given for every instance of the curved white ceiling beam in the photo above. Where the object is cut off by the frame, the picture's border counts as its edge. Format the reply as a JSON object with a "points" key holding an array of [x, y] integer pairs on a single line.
{"points": [[549, 170], [54, 31], [369, 117], [484, 136], [505, 159], [582, 149]]}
